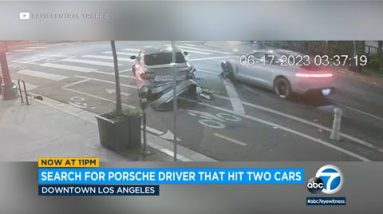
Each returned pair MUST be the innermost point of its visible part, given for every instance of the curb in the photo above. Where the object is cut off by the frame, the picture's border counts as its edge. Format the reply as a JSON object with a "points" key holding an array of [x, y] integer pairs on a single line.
{"points": [[155, 142]]}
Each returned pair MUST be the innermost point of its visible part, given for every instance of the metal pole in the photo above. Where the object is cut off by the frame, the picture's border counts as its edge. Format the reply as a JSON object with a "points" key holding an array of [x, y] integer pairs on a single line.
{"points": [[174, 100], [144, 129], [145, 152], [335, 132]]}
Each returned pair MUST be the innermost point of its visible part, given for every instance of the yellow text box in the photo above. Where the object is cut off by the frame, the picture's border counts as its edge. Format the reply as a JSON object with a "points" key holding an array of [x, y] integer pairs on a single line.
{"points": [[68, 162]]}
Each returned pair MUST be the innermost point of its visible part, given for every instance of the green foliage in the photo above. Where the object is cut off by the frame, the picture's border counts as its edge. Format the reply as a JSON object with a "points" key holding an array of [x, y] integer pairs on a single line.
{"points": [[377, 62], [126, 113]]}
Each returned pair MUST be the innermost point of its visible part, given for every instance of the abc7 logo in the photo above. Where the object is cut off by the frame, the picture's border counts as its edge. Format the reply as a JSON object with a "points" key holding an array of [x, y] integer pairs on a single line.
{"points": [[328, 179]]}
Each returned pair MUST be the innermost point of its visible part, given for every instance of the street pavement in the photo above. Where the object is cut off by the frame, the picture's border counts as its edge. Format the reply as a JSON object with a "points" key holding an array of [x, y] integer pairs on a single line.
{"points": [[50, 128], [240, 123]]}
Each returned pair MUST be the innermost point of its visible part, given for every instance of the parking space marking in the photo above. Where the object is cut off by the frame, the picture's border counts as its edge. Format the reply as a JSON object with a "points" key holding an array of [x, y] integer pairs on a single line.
{"points": [[68, 67], [236, 103], [122, 59], [232, 140], [39, 74], [89, 62], [347, 136], [303, 135]]}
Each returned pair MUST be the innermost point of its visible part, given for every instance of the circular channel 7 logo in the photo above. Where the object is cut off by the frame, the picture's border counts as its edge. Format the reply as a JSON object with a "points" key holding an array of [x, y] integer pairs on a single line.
{"points": [[328, 179]]}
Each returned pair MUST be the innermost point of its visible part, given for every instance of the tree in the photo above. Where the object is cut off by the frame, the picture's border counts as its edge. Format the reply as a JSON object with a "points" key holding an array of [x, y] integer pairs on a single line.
{"points": [[117, 79]]}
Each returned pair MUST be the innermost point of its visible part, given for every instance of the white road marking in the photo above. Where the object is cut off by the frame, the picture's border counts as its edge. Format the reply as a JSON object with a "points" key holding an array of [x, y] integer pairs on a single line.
{"points": [[95, 96], [316, 140], [168, 152], [360, 111], [121, 53], [168, 135], [208, 58], [155, 131], [23, 50], [39, 74], [232, 140], [236, 103], [113, 91], [202, 49], [90, 62], [122, 59], [31, 60], [347, 136], [190, 45], [131, 49], [106, 81], [194, 51], [68, 67], [75, 83], [37, 47], [112, 74]]}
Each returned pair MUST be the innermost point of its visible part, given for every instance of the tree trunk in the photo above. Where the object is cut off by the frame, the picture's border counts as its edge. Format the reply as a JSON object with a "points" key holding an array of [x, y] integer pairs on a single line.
{"points": [[117, 79]]}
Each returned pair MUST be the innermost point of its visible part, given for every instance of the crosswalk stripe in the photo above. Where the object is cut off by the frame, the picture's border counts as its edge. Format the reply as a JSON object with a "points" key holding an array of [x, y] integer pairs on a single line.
{"points": [[90, 62], [108, 57], [23, 50], [194, 51], [39, 74], [37, 47], [121, 53], [131, 49], [68, 67], [202, 49]]}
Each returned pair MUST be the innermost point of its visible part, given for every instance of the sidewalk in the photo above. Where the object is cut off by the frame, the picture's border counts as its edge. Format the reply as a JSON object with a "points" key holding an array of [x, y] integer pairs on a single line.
{"points": [[50, 128]]}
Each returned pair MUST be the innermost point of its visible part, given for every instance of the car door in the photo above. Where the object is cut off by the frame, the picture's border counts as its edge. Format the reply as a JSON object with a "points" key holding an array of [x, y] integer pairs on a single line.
{"points": [[256, 70]]}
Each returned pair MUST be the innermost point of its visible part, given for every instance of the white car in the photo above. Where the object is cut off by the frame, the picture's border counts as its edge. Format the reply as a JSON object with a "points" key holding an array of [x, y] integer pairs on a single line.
{"points": [[153, 68], [265, 68]]}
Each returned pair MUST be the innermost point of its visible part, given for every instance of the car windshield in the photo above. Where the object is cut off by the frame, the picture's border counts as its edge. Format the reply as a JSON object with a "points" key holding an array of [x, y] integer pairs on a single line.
{"points": [[163, 58]]}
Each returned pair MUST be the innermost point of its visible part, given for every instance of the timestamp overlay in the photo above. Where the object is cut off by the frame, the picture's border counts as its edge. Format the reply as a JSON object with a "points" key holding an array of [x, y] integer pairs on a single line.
{"points": [[298, 59]]}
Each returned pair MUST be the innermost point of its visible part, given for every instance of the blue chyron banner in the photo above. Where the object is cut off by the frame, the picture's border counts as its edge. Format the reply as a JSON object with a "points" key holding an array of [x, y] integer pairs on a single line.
{"points": [[171, 176]]}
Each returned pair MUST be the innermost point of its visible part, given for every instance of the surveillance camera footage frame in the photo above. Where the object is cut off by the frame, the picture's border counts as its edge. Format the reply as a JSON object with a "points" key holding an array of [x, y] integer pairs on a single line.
{"points": [[195, 21]]}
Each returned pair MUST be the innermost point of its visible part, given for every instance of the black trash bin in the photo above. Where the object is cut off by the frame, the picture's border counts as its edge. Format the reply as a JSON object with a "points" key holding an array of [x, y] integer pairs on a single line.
{"points": [[120, 135]]}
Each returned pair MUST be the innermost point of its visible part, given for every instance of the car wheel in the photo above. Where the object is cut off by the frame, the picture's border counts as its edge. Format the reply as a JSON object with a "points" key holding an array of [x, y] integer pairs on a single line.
{"points": [[227, 70], [282, 87]]}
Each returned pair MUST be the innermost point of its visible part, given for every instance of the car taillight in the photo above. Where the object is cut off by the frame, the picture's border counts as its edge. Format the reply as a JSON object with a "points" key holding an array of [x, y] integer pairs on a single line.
{"points": [[314, 75]]}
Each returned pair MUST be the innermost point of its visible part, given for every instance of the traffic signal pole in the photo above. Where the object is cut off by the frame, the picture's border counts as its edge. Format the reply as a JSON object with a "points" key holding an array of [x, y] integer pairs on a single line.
{"points": [[8, 87]]}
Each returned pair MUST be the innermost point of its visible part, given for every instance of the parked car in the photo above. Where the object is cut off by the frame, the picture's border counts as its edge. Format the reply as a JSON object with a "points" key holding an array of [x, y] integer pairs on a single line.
{"points": [[153, 68], [264, 68]]}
